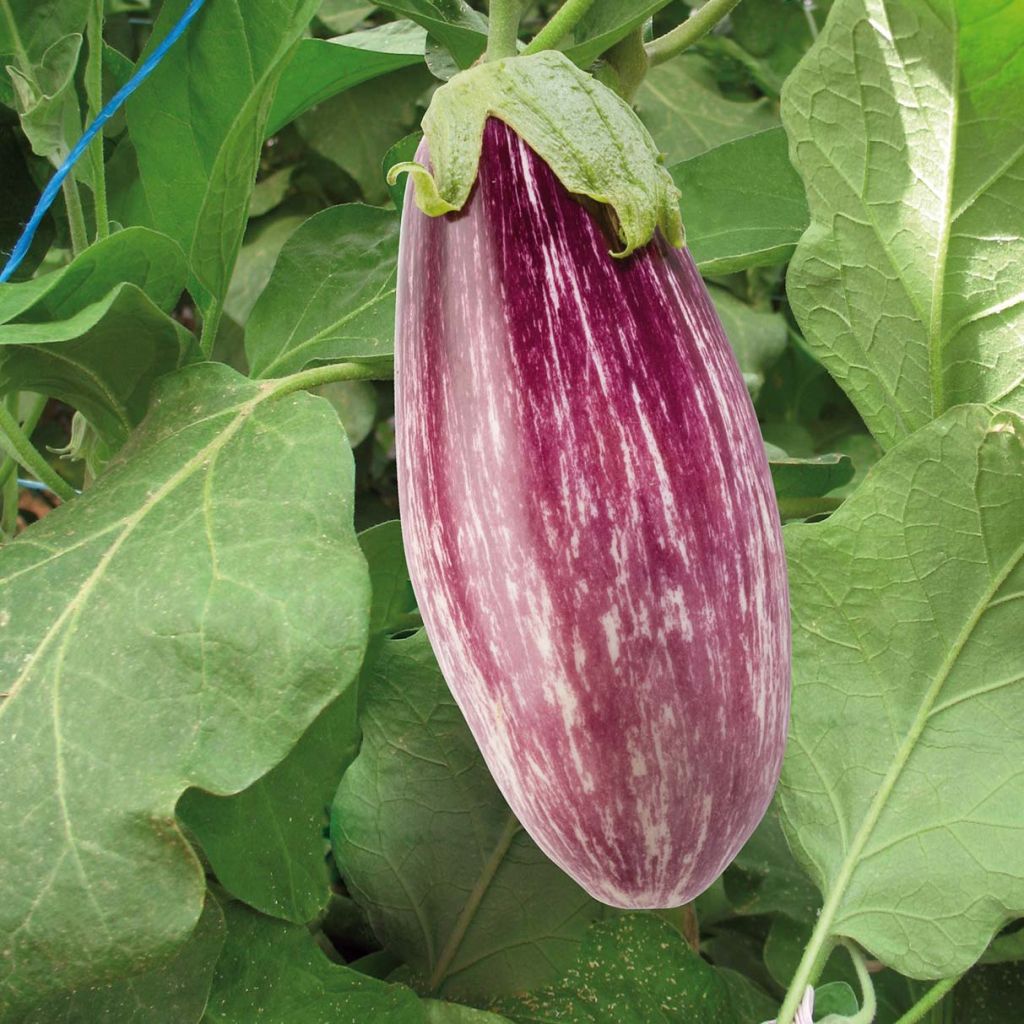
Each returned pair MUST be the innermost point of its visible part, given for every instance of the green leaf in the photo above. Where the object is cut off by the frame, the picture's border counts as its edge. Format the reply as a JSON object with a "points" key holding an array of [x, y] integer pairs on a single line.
{"points": [[158, 634], [322, 68], [342, 15], [331, 296], [451, 883], [255, 263], [355, 129], [150, 261], [393, 597], [775, 34], [438, 1012], [765, 879], [174, 992], [901, 790], [28, 28], [809, 477], [274, 973], [634, 969], [46, 101], [687, 115], [268, 193], [605, 24], [198, 125], [94, 334], [904, 121], [743, 204], [268, 844], [462, 30], [757, 337]]}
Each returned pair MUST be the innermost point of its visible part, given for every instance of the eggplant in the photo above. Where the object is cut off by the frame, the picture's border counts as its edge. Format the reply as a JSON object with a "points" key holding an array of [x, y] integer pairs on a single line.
{"points": [[591, 530]]}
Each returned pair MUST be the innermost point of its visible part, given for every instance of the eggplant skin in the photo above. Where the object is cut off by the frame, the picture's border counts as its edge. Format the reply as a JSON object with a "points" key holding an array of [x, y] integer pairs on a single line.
{"points": [[591, 531]]}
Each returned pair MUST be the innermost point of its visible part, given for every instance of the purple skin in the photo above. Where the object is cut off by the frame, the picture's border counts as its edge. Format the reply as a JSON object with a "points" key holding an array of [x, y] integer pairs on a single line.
{"points": [[591, 531]]}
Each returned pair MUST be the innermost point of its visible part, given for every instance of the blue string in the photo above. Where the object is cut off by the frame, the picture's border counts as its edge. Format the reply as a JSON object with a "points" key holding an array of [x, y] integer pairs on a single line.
{"points": [[50, 192], [35, 485]]}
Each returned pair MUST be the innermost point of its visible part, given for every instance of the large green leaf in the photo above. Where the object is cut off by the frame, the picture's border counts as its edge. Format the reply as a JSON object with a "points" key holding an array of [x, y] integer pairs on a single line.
{"points": [[180, 624], [268, 844], [173, 992], [331, 295], [743, 204], [904, 120], [321, 68], [274, 973], [687, 115], [198, 125], [902, 791], [451, 883], [635, 969]]}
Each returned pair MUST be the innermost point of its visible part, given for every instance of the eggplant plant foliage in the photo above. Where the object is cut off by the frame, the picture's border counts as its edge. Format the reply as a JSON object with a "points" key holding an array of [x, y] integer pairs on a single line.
{"points": [[234, 784]]}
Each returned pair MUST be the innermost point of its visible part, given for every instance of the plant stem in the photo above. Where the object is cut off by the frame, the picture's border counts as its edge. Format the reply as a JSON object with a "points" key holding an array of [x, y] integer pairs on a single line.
{"points": [[94, 92], [812, 23], [9, 465], [211, 325], [565, 20], [318, 375], [868, 1002], [683, 36], [76, 217], [816, 953], [9, 516], [503, 34], [15, 442], [802, 508], [628, 59], [931, 998]]}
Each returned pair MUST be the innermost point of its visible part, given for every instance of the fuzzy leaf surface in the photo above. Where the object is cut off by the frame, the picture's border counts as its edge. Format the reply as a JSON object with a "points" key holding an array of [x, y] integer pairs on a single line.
{"points": [[160, 634], [904, 121], [451, 883], [902, 791]]}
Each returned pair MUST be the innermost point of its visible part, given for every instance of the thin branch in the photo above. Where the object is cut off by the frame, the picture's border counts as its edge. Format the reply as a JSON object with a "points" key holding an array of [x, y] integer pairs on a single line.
{"points": [[683, 36]]}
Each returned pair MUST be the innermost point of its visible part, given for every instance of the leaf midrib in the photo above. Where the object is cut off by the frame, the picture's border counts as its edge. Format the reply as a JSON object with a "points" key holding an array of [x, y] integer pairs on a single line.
{"points": [[849, 864]]}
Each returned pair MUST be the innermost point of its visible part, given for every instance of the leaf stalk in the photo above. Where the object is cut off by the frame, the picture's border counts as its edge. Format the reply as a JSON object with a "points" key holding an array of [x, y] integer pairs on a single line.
{"points": [[94, 92], [319, 375], [931, 998], [566, 18], [16, 443], [683, 36]]}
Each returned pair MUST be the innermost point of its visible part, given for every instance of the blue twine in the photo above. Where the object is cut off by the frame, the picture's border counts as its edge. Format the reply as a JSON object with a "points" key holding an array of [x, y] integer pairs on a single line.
{"points": [[46, 200], [35, 485]]}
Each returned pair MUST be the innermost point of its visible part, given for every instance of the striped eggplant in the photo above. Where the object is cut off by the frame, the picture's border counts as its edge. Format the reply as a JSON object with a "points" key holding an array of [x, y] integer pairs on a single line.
{"points": [[591, 530]]}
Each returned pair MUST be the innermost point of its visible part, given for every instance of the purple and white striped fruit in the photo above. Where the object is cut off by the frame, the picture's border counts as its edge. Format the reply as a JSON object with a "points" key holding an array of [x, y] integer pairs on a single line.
{"points": [[591, 530]]}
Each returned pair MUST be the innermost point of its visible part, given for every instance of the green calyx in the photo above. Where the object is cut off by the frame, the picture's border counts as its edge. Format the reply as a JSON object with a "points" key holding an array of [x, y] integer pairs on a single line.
{"points": [[590, 137]]}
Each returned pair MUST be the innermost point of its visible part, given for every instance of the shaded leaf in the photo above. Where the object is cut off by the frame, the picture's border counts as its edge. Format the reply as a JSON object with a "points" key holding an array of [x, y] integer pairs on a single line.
{"points": [[808, 477], [462, 30], [634, 969], [451, 883], [332, 293], [757, 337], [355, 129], [902, 792], [904, 120], [274, 972], [342, 15], [687, 115], [268, 844], [159, 635], [606, 23], [990, 995], [743, 204], [322, 68]]}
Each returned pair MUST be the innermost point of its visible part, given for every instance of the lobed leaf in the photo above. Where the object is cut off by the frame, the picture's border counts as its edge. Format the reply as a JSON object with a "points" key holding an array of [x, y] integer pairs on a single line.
{"points": [[904, 121], [180, 624], [902, 791]]}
